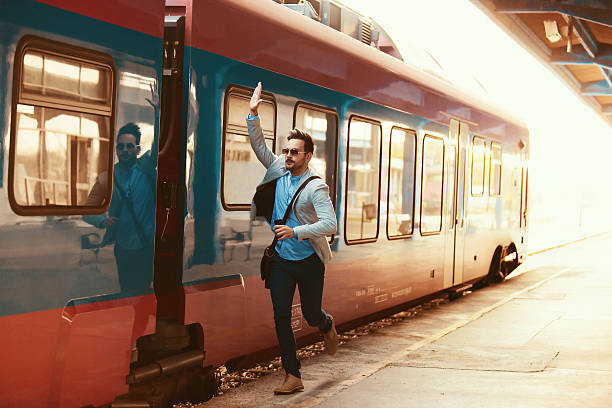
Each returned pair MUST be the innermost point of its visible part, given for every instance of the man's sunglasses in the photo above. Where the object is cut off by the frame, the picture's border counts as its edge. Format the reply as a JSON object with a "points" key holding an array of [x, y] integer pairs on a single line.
{"points": [[293, 152], [128, 146]]}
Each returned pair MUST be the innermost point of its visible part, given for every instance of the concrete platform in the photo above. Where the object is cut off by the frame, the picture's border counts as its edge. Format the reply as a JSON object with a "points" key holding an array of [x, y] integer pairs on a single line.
{"points": [[542, 338]]}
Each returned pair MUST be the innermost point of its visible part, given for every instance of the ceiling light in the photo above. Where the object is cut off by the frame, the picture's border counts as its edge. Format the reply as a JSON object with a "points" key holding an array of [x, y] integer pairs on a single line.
{"points": [[552, 31]]}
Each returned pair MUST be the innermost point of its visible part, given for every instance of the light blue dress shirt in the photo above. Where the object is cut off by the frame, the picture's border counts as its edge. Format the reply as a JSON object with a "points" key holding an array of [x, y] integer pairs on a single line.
{"points": [[140, 189], [291, 248]]}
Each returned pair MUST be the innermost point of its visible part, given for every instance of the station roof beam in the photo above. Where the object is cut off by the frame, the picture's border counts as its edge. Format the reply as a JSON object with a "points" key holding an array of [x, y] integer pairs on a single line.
{"points": [[595, 11], [573, 36]]}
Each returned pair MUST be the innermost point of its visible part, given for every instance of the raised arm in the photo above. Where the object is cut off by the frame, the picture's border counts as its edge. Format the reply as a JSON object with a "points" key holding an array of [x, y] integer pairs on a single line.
{"points": [[255, 100], [258, 142], [154, 102]]}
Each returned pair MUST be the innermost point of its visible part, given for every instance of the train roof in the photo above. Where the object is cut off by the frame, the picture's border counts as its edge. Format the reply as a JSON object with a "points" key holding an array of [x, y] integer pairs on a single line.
{"points": [[341, 17], [273, 37], [144, 16], [278, 39]]}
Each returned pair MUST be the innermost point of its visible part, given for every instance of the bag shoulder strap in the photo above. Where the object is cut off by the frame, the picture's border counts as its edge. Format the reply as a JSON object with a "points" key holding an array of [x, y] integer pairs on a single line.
{"points": [[128, 203], [287, 212], [300, 188]]}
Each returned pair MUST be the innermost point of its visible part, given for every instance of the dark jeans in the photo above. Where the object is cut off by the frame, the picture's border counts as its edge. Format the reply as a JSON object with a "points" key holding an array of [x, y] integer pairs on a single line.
{"points": [[135, 268], [308, 274]]}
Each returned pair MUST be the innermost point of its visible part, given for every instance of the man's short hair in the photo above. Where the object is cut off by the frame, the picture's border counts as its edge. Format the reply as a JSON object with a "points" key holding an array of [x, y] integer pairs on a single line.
{"points": [[130, 129], [302, 135]]}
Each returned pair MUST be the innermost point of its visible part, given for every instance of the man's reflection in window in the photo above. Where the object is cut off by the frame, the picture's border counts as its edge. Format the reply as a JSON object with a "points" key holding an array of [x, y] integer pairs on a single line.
{"points": [[130, 221]]}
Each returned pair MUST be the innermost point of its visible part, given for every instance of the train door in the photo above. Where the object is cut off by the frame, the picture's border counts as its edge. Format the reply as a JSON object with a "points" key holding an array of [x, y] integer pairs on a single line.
{"points": [[177, 346], [454, 214], [171, 162]]}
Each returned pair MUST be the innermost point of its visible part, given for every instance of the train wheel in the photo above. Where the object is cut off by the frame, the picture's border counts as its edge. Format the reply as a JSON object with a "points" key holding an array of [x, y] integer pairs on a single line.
{"points": [[510, 262], [504, 261], [496, 270]]}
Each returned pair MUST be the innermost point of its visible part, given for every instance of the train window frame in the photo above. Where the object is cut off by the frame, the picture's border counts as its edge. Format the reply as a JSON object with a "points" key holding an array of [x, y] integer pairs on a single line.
{"points": [[484, 167], [346, 179], [333, 194], [66, 52], [414, 134], [492, 192], [439, 231], [247, 92]]}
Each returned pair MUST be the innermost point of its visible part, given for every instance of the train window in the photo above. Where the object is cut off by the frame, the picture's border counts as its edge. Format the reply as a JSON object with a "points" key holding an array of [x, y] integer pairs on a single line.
{"points": [[322, 124], [432, 182], [60, 80], [241, 170], [362, 181], [402, 163], [62, 127], [495, 169], [478, 166]]}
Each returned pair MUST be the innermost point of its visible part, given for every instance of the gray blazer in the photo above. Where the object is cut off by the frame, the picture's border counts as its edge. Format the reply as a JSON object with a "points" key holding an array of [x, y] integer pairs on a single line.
{"points": [[312, 208]]}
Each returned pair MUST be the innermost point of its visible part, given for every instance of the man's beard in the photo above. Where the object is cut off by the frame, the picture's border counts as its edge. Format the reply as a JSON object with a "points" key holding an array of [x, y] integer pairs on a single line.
{"points": [[127, 160]]}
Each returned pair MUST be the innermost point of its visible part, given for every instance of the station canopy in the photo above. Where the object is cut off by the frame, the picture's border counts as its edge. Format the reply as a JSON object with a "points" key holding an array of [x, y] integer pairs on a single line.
{"points": [[573, 36]]}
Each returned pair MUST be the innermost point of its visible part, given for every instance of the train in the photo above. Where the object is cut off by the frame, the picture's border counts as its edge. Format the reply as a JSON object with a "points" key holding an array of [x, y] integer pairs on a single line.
{"points": [[429, 184]]}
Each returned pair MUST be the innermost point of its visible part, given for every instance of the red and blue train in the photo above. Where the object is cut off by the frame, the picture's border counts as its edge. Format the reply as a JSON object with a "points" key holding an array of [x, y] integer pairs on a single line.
{"points": [[429, 185]]}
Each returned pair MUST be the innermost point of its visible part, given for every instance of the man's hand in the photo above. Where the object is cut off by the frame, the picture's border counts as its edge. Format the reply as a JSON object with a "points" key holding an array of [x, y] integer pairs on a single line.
{"points": [[283, 232], [154, 101], [255, 100], [109, 222]]}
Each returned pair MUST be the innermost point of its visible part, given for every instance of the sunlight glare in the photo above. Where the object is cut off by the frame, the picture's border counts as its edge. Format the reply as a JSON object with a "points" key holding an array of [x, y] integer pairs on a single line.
{"points": [[570, 143]]}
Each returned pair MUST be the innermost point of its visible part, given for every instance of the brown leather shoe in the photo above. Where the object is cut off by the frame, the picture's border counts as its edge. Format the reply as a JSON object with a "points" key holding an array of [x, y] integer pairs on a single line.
{"points": [[290, 385], [331, 339]]}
